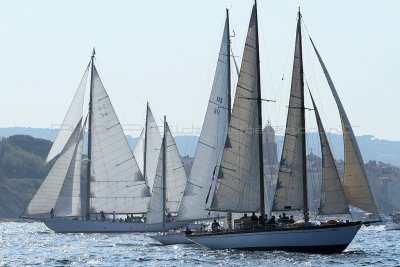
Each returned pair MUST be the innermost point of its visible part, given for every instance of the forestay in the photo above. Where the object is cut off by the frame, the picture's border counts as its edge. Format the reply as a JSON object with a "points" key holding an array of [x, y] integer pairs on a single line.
{"points": [[238, 184], [116, 182], [211, 141]]}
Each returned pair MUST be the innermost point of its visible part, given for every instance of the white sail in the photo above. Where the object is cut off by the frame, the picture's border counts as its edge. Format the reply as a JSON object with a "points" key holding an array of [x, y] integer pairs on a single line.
{"points": [[238, 184], [116, 182], [211, 142], [175, 180], [48, 193], [138, 151], [153, 144], [69, 200], [289, 187], [73, 116], [333, 200], [147, 148], [355, 182]]}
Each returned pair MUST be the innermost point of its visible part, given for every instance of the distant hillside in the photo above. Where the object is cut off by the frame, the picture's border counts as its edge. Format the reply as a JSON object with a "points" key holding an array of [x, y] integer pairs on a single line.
{"points": [[372, 148]]}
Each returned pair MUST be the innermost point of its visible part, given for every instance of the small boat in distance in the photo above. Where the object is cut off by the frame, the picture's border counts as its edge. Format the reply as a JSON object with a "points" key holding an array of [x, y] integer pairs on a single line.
{"points": [[394, 223]]}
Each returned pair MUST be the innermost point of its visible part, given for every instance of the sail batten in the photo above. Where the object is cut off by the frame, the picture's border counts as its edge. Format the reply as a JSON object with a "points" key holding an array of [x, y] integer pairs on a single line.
{"points": [[355, 182], [211, 141], [238, 183]]}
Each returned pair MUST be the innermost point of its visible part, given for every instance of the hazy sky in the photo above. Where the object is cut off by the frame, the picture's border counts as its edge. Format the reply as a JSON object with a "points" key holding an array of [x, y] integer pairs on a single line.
{"points": [[165, 52]]}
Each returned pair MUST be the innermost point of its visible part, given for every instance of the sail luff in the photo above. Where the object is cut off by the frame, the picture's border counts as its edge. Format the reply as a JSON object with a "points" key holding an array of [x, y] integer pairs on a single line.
{"points": [[238, 183], [164, 174], [145, 145], [355, 184], [333, 200], [290, 191]]}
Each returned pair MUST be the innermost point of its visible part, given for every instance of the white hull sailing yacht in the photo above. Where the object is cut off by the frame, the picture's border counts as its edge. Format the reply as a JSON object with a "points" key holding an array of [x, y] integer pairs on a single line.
{"points": [[240, 186], [114, 196]]}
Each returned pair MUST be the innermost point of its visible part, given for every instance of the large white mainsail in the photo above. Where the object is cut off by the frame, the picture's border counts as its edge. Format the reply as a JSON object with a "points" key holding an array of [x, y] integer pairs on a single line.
{"points": [[167, 191], [48, 193], [355, 183], [73, 116], [147, 148], [116, 182], [333, 200], [289, 187], [238, 184], [211, 141]]}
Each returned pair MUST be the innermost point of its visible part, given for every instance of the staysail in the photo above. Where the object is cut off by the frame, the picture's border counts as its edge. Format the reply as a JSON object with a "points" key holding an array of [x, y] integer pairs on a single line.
{"points": [[333, 200], [167, 191], [289, 187], [355, 183], [116, 182], [238, 183], [48, 193], [211, 141]]}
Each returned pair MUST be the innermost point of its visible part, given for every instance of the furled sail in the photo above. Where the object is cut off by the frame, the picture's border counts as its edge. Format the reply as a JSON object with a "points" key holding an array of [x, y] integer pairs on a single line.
{"points": [[172, 185], [238, 184], [289, 187], [333, 200], [48, 193], [116, 182], [73, 116], [211, 141], [355, 183]]}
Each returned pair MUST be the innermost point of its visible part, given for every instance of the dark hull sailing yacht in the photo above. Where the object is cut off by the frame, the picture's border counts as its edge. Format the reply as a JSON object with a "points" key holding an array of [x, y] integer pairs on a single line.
{"points": [[240, 187], [114, 185]]}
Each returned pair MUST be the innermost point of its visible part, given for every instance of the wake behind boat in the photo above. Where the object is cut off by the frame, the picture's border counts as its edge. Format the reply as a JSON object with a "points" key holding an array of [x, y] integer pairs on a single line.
{"points": [[240, 183]]}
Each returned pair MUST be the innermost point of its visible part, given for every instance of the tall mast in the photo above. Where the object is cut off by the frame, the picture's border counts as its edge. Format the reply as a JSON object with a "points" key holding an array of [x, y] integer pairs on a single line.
{"points": [[164, 172], [89, 159], [228, 49], [229, 66], [259, 127], [145, 144], [302, 129]]}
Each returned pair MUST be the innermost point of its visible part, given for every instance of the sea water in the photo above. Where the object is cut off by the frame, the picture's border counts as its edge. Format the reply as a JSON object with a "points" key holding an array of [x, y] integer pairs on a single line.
{"points": [[34, 244]]}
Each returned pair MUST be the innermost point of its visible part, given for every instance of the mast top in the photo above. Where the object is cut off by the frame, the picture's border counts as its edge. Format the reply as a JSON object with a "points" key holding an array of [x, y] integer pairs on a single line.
{"points": [[93, 52], [299, 13]]}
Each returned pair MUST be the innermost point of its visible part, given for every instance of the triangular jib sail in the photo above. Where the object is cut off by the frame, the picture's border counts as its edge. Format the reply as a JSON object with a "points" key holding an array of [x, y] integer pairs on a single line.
{"points": [[355, 182], [212, 139]]}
